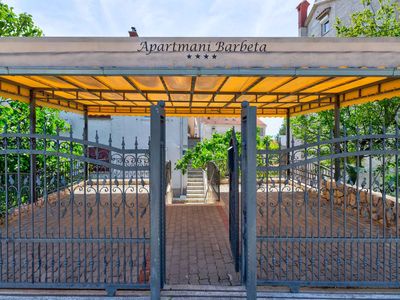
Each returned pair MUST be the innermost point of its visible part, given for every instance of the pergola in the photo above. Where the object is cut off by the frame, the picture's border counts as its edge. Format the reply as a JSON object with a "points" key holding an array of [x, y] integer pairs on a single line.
{"points": [[275, 77], [199, 76]]}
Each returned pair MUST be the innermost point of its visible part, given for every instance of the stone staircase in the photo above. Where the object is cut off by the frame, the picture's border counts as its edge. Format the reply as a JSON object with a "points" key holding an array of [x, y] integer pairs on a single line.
{"points": [[195, 181], [195, 185]]}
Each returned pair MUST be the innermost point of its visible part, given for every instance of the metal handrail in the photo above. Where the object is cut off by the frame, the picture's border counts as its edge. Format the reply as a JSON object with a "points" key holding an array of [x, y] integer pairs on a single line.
{"points": [[168, 173], [213, 179]]}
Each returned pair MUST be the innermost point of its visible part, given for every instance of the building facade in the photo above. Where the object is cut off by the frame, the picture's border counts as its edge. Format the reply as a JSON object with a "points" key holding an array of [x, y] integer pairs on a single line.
{"points": [[133, 127], [208, 126], [320, 21]]}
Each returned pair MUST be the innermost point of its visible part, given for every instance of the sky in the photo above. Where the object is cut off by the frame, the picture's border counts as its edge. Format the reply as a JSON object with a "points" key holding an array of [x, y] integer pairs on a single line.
{"points": [[169, 18]]}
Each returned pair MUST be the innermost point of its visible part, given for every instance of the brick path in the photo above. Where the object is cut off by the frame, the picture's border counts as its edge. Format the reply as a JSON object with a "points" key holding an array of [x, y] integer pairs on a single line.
{"points": [[302, 247], [103, 241], [197, 243], [197, 246]]}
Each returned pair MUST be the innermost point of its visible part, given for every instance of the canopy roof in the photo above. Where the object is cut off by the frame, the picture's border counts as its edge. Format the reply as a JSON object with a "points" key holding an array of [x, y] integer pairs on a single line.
{"points": [[198, 76]]}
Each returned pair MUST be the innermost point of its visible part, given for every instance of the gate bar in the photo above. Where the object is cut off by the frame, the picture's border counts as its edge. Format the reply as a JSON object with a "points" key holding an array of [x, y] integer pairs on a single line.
{"points": [[32, 130], [157, 126], [288, 141], [249, 198], [337, 135], [86, 138]]}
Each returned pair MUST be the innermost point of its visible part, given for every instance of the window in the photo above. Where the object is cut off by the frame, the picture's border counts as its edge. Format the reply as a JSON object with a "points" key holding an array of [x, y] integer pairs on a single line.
{"points": [[324, 22], [325, 25], [99, 154]]}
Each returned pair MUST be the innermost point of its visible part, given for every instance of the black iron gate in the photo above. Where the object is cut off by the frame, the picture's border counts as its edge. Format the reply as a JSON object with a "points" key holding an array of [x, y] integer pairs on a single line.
{"points": [[321, 226], [83, 219], [234, 205]]}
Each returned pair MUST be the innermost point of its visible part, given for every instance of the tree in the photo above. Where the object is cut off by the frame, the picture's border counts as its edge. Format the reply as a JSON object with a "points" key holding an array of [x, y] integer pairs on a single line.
{"points": [[12, 24], [368, 22], [374, 117], [14, 117], [216, 150], [372, 23]]}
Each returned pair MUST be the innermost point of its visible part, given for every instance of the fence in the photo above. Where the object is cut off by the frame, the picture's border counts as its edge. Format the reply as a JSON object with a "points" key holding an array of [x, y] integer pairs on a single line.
{"points": [[317, 230], [64, 228]]}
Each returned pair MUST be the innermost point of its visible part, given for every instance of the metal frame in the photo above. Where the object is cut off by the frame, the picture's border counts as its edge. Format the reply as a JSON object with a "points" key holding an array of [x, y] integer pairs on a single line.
{"points": [[157, 199], [249, 193], [317, 230], [234, 203], [56, 240]]}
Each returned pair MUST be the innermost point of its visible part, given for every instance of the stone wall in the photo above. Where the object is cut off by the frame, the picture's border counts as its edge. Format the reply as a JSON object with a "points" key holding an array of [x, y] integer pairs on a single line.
{"points": [[346, 196]]}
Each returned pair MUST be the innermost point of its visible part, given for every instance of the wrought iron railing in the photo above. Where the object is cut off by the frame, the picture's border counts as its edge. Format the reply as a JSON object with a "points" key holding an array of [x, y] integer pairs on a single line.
{"points": [[61, 227], [213, 182], [168, 172], [322, 226], [168, 182]]}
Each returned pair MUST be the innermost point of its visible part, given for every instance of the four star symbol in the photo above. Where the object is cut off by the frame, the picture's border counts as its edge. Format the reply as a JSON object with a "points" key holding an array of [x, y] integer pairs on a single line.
{"points": [[198, 56]]}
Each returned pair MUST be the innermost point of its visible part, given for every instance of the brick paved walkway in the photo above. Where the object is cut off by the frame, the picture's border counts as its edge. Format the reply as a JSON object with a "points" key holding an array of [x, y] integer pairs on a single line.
{"points": [[101, 245], [198, 247], [299, 246]]}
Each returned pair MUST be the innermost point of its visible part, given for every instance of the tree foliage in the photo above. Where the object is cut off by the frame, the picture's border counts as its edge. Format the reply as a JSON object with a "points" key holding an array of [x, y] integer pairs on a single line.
{"points": [[14, 117], [371, 21], [215, 149], [374, 117], [13, 24]]}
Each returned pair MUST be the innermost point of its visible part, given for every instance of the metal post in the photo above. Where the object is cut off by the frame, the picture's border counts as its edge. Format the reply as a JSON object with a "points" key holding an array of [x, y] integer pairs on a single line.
{"points": [[32, 130], [337, 135], [85, 139], [249, 198], [157, 161], [288, 141]]}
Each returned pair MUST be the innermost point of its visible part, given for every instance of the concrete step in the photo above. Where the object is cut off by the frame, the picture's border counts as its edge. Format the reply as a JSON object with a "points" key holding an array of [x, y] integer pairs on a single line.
{"points": [[195, 174], [195, 177], [195, 188], [193, 200], [195, 183], [191, 196], [195, 180], [194, 194], [195, 171]]}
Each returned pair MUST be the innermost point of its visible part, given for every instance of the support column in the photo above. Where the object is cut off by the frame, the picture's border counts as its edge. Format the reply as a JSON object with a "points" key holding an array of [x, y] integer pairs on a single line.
{"points": [[249, 198], [32, 130], [336, 132], [288, 138], [85, 139], [157, 198]]}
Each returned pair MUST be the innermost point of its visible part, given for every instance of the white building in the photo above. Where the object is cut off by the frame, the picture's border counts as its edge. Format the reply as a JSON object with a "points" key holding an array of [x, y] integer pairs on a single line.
{"points": [[320, 21], [208, 126], [137, 127]]}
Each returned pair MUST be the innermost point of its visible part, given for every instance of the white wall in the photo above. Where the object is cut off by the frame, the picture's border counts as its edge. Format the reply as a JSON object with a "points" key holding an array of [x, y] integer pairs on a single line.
{"points": [[206, 130], [131, 127], [341, 9]]}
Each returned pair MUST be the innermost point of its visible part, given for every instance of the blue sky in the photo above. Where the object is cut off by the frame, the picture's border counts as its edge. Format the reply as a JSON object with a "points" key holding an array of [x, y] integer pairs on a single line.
{"points": [[164, 18]]}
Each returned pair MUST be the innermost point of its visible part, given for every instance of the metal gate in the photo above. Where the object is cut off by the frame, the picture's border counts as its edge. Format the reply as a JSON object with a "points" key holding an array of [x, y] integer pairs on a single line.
{"points": [[82, 220], [234, 204], [315, 228]]}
